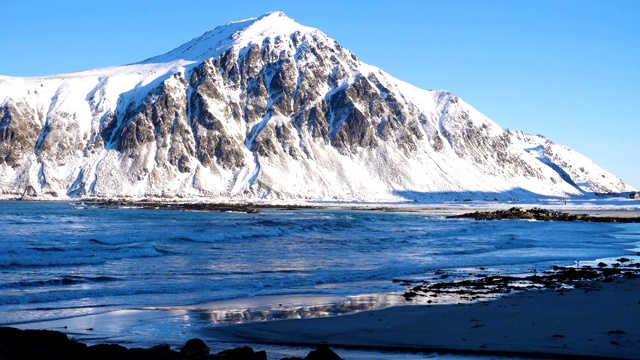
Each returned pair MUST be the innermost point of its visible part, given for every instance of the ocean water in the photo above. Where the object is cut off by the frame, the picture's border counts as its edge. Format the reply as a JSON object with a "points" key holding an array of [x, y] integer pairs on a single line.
{"points": [[137, 275]]}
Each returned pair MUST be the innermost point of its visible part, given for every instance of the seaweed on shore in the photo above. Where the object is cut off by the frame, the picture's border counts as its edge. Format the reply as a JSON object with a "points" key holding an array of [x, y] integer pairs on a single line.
{"points": [[516, 213], [559, 277]]}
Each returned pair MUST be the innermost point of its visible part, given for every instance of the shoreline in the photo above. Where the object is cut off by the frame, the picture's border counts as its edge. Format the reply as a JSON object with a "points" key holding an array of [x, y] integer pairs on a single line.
{"points": [[483, 292], [440, 209], [620, 208], [597, 320]]}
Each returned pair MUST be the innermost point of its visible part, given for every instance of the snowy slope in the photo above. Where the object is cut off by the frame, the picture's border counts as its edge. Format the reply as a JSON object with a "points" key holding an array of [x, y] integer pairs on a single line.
{"points": [[575, 168], [266, 109]]}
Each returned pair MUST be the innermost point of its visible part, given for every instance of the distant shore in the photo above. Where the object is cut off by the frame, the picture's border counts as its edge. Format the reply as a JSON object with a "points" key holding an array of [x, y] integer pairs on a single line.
{"points": [[606, 207], [462, 210]]}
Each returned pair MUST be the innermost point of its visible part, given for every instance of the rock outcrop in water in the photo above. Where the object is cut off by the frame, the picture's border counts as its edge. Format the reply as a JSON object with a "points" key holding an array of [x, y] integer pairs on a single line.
{"points": [[516, 213], [266, 109]]}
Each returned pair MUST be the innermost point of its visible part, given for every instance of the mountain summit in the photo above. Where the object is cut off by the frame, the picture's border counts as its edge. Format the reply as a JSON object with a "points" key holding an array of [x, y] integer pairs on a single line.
{"points": [[238, 34], [267, 109]]}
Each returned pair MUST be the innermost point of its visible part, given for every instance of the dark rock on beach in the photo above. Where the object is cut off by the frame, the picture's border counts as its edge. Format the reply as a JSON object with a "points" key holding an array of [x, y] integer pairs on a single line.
{"points": [[483, 286], [159, 352], [102, 352], [323, 353], [242, 353], [194, 348], [16, 344], [34, 344], [516, 213]]}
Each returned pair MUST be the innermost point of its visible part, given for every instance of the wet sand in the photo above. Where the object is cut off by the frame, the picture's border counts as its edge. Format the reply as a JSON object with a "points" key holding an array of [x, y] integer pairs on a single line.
{"points": [[597, 320]]}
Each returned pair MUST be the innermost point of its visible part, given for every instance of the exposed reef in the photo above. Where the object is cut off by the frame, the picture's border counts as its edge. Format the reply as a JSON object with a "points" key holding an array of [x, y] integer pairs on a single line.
{"points": [[559, 277], [516, 213]]}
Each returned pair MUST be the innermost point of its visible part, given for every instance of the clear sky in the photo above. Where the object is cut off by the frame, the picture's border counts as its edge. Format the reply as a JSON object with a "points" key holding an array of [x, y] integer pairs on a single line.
{"points": [[569, 70]]}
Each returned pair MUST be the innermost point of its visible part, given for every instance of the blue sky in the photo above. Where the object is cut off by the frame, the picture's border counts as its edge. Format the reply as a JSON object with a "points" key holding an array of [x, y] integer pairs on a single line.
{"points": [[569, 70]]}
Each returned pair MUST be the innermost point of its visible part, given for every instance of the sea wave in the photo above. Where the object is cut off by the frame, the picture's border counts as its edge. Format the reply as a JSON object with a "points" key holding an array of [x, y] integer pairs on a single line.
{"points": [[55, 255]]}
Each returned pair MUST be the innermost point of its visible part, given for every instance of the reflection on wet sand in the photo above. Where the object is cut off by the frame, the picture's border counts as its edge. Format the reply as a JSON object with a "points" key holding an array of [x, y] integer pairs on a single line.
{"points": [[305, 307]]}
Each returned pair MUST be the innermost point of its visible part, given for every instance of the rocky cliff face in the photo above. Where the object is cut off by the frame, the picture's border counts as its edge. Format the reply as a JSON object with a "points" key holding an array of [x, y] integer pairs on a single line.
{"points": [[264, 108]]}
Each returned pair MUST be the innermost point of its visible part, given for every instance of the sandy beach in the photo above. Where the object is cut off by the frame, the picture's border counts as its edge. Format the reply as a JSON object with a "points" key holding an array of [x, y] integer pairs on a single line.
{"points": [[598, 320]]}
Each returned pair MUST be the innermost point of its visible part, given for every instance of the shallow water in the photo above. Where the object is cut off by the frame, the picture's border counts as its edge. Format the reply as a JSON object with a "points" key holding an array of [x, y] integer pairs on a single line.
{"points": [[189, 269]]}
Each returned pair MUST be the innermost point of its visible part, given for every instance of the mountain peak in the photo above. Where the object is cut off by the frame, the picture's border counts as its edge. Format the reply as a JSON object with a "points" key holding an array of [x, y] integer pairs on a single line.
{"points": [[237, 33], [274, 16]]}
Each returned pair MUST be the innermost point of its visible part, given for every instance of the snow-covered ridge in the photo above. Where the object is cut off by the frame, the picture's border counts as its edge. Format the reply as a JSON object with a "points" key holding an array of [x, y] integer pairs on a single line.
{"points": [[576, 168], [267, 109], [238, 34]]}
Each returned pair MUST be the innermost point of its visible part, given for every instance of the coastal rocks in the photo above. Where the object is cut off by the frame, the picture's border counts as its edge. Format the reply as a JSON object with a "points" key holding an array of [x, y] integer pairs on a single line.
{"points": [[100, 351], [541, 214], [194, 348], [483, 287], [323, 353], [16, 344], [242, 353], [34, 344]]}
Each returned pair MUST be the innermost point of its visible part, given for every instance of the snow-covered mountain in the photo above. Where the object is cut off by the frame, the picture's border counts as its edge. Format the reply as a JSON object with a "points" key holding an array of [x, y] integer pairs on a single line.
{"points": [[573, 167], [266, 108]]}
